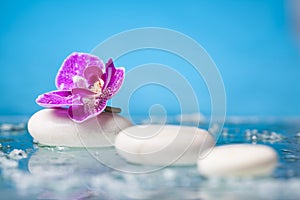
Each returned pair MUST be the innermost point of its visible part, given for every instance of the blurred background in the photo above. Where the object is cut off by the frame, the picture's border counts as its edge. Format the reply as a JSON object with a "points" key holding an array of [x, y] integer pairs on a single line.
{"points": [[254, 43]]}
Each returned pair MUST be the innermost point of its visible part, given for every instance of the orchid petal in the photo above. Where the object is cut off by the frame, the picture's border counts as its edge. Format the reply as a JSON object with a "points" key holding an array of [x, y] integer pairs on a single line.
{"points": [[75, 65], [58, 98], [109, 72], [92, 74], [115, 83], [80, 113]]}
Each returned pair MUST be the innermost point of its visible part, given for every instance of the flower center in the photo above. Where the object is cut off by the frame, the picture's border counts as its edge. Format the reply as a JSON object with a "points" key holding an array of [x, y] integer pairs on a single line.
{"points": [[97, 86]]}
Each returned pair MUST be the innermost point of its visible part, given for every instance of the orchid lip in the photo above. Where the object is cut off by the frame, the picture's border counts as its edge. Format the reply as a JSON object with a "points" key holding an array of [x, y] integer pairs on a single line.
{"points": [[82, 92]]}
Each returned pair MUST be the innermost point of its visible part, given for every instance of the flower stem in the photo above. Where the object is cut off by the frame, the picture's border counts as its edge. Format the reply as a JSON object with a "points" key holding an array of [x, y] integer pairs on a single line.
{"points": [[112, 109]]}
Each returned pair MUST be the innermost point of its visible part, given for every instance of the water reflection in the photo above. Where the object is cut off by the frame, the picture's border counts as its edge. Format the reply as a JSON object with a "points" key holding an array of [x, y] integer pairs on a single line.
{"points": [[76, 173], [52, 162]]}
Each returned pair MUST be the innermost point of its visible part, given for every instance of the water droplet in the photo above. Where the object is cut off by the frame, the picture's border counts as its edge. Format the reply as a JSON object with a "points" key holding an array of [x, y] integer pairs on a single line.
{"points": [[60, 148], [286, 151], [254, 139], [225, 132], [248, 133], [6, 127], [291, 158], [254, 131], [20, 126], [17, 154]]}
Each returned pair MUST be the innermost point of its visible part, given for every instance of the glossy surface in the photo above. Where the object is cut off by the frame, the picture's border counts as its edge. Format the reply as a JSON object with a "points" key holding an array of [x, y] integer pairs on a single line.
{"points": [[53, 127], [163, 145], [238, 160]]}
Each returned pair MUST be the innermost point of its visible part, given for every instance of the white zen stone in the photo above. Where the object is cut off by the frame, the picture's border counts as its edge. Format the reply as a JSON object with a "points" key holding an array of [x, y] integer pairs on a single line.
{"points": [[163, 145], [53, 127], [238, 160]]}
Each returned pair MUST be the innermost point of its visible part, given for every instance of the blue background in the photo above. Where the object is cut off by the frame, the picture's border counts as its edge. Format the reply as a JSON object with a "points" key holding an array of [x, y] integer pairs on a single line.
{"points": [[253, 43]]}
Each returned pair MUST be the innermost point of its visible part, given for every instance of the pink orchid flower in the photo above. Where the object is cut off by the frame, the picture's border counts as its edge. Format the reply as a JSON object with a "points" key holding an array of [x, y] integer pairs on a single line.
{"points": [[84, 85]]}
